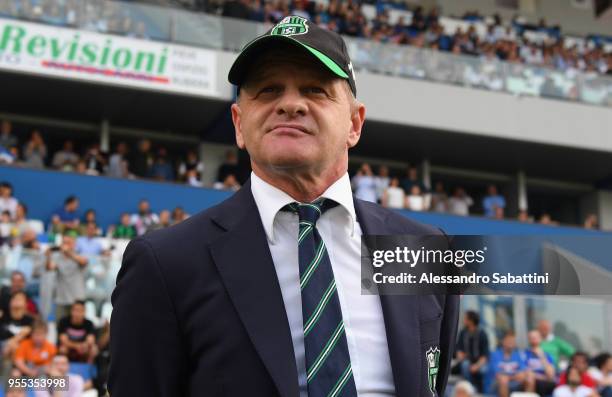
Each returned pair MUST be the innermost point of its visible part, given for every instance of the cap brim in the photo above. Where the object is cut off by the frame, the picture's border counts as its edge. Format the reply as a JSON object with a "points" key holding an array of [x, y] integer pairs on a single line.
{"points": [[256, 47]]}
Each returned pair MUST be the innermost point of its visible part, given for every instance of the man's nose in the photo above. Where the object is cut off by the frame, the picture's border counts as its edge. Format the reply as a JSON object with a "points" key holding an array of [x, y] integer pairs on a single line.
{"points": [[292, 103]]}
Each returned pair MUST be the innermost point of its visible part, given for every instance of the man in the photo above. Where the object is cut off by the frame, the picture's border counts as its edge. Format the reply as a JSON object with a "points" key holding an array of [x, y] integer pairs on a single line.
{"points": [[60, 367], [67, 217], [7, 201], [77, 338], [507, 367], [216, 305], [144, 218], [71, 271], [65, 159], [472, 349], [540, 369], [493, 203], [552, 344], [15, 326], [18, 284], [90, 245]]}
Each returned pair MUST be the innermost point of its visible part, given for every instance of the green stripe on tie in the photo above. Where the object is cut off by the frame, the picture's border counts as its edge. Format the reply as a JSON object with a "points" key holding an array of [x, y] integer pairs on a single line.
{"points": [[313, 266], [341, 382], [327, 349], [329, 292]]}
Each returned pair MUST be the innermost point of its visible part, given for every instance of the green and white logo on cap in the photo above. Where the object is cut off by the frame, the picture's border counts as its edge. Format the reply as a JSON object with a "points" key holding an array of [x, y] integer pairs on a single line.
{"points": [[290, 26]]}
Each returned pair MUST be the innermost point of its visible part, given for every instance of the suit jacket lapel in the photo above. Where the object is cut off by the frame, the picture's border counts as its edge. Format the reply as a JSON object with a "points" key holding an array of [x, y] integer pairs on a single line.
{"points": [[245, 264], [401, 316]]}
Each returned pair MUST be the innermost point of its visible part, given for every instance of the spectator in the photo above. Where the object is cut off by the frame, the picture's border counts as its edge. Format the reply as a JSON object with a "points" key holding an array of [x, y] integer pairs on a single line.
{"points": [[364, 184], [229, 183], [545, 219], [464, 389], [124, 230], [552, 344], [580, 361], [179, 215], [67, 217], [144, 218], [61, 367], [162, 169], [439, 198], [76, 334], [118, 166], [7, 201], [21, 223], [411, 179], [89, 218], [18, 284], [229, 166], [65, 159], [492, 202], [460, 203], [191, 169], [95, 160], [591, 222], [507, 367], [35, 151], [415, 201], [164, 221], [35, 353], [90, 244], [523, 216], [382, 181], [142, 160], [70, 271], [7, 139], [602, 374], [15, 325], [573, 388], [394, 196], [472, 350], [6, 226], [540, 377]]}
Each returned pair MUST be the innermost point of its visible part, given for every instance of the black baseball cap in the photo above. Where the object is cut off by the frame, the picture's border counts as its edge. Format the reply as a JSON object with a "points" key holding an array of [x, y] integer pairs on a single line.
{"points": [[325, 46]]}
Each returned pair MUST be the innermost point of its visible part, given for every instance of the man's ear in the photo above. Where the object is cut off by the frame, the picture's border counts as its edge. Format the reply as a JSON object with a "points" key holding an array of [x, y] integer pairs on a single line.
{"points": [[236, 118], [357, 120]]}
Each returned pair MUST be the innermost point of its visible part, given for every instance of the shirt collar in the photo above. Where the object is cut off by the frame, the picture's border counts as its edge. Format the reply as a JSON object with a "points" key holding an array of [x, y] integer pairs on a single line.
{"points": [[270, 200]]}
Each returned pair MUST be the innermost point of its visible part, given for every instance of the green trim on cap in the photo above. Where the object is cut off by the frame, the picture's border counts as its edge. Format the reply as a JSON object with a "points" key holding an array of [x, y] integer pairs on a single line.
{"points": [[327, 61]]}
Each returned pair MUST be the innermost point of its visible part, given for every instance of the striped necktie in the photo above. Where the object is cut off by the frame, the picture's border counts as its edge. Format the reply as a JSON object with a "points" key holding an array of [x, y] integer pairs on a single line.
{"points": [[328, 364]]}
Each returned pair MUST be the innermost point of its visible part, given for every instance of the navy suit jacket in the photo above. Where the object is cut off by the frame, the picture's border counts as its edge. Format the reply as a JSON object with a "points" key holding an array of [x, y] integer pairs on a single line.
{"points": [[198, 311]]}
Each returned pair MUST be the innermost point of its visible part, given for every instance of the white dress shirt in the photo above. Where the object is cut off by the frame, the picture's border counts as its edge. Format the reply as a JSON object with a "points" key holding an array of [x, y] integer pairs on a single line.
{"points": [[362, 314]]}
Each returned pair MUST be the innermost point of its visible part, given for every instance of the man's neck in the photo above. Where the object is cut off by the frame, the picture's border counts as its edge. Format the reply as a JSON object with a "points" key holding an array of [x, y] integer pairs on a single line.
{"points": [[302, 186]]}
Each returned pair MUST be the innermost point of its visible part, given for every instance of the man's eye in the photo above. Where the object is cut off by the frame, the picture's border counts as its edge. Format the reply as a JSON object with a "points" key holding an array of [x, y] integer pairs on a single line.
{"points": [[315, 90], [271, 89]]}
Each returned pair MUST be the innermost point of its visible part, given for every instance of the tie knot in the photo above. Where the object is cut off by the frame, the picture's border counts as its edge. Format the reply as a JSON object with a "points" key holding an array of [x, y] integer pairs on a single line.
{"points": [[310, 212]]}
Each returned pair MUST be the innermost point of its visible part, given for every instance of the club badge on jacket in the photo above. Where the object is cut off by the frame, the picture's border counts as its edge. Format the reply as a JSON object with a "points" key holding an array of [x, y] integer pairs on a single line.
{"points": [[433, 364]]}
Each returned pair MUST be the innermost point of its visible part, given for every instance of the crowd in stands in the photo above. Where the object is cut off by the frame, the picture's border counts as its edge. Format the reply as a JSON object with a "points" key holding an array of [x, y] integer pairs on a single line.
{"points": [[60, 257], [547, 366], [504, 41], [124, 161], [420, 28], [409, 192]]}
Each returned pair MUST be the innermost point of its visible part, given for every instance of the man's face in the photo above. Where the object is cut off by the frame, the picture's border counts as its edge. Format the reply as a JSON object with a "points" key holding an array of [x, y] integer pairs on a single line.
{"points": [[60, 363], [39, 336], [293, 115], [143, 207], [534, 339], [17, 282], [77, 313], [91, 230], [509, 343], [544, 328], [581, 363]]}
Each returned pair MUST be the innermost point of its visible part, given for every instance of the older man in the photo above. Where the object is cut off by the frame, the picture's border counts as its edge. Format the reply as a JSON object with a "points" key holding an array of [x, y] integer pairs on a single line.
{"points": [[260, 296]]}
